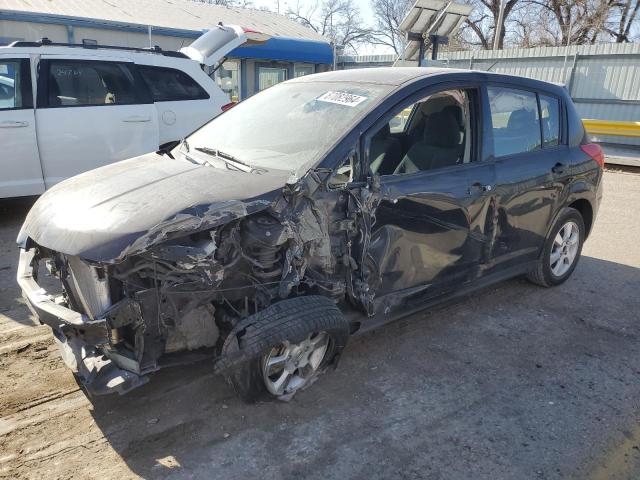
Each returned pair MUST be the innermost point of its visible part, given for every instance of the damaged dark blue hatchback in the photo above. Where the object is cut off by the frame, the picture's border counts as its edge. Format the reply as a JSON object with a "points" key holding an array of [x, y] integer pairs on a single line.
{"points": [[320, 208]]}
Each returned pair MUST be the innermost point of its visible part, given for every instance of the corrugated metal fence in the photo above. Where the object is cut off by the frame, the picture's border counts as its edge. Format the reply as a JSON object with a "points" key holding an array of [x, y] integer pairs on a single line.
{"points": [[604, 80]]}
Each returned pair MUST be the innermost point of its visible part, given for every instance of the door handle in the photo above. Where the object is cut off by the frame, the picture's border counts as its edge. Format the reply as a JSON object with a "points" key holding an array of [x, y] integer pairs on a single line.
{"points": [[137, 119], [558, 168], [479, 187], [10, 124]]}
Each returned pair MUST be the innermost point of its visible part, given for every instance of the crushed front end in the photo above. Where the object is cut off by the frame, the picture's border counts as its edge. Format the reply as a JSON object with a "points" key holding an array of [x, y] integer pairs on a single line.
{"points": [[116, 321], [113, 322]]}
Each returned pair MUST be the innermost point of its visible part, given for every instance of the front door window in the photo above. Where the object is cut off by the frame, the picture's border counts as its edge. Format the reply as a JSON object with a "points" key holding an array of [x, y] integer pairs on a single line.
{"points": [[432, 133]]}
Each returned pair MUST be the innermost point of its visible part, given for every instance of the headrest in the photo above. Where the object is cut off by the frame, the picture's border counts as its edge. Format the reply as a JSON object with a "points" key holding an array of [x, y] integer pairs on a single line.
{"points": [[384, 132], [522, 120], [442, 130], [456, 111]]}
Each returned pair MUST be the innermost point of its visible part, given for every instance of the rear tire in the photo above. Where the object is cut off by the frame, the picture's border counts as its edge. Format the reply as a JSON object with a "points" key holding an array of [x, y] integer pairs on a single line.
{"points": [[287, 346], [562, 250]]}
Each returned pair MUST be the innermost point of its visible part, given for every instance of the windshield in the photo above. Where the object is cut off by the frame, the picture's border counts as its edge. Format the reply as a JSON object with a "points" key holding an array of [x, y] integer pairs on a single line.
{"points": [[289, 127]]}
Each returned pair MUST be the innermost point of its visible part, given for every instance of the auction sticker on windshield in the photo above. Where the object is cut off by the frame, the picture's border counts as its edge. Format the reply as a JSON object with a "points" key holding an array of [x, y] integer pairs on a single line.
{"points": [[342, 98]]}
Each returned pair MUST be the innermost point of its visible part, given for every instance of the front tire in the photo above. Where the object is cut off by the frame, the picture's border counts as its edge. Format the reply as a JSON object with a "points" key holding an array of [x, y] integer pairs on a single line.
{"points": [[562, 250], [287, 346]]}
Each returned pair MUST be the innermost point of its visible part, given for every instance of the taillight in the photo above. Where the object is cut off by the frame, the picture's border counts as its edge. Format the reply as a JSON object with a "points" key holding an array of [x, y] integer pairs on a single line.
{"points": [[594, 151], [228, 106]]}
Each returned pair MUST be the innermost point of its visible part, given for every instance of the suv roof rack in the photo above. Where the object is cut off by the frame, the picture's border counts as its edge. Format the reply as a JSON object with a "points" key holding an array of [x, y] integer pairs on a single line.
{"points": [[90, 45]]}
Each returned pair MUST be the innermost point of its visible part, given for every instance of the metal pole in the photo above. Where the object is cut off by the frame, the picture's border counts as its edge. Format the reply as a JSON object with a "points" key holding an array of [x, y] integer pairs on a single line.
{"points": [[149, 31], [335, 60], [498, 29], [566, 51]]}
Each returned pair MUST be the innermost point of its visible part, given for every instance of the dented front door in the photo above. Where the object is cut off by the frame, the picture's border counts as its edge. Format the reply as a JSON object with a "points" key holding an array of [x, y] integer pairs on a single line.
{"points": [[432, 230]]}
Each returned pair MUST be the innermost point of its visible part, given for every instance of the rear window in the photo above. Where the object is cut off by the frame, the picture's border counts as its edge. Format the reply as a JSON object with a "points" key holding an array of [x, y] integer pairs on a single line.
{"points": [[84, 83], [523, 121], [167, 84], [516, 124], [550, 114]]}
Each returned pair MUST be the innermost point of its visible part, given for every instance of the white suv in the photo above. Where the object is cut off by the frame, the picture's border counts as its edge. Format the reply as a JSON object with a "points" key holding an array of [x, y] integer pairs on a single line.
{"points": [[65, 109]]}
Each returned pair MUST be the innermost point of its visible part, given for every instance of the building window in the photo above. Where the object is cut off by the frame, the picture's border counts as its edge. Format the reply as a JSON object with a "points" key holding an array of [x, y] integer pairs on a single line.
{"points": [[300, 70], [227, 77], [270, 76]]}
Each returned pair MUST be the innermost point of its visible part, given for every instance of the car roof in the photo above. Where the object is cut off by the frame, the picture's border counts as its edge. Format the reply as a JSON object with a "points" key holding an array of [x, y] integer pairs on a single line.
{"points": [[99, 52], [393, 76], [398, 77]]}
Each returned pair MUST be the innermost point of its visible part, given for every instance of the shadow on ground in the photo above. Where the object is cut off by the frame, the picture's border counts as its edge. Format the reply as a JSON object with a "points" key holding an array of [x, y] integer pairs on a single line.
{"points": [[514, 381]]}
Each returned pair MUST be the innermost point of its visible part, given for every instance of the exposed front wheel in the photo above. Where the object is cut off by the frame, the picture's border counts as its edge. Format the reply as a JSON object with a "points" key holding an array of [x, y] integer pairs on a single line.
{"points": [[290, 367], [562, 250], [285, 347]]}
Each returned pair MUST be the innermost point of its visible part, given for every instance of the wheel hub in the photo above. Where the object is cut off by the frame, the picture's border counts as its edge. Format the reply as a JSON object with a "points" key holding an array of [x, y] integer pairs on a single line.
{"points": [[565, 248], [290, 367]]}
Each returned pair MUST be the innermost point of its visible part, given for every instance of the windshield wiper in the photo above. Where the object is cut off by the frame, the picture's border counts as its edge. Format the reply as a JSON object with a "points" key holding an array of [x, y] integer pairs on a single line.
{"points": [[230, 160]]}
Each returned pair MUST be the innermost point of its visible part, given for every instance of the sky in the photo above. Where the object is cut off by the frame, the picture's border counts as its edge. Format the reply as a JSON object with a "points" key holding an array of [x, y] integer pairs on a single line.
{"points": [[365, 13]]}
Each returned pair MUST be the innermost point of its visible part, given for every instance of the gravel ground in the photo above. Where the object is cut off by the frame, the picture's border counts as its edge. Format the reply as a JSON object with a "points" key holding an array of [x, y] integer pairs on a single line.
{"points": [[513, 382]]}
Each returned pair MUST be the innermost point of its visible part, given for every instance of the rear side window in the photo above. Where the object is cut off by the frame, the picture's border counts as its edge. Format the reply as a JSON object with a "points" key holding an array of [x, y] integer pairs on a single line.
{"points": [[85, 83], [516, 123], [15, 84], [550, 114], [167, 84]]}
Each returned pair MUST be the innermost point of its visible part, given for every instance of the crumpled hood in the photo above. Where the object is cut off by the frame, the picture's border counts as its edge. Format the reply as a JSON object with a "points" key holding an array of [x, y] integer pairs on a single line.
{"points": [[123, 208]]}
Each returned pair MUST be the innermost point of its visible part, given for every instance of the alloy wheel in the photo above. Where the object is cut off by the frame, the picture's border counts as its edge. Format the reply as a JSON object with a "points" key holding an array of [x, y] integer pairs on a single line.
{"points": [[565, 249], [291, 366]]}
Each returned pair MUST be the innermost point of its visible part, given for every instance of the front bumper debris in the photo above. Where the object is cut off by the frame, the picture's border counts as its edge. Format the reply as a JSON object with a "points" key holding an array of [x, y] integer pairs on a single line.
{"points": [[78, 337]]}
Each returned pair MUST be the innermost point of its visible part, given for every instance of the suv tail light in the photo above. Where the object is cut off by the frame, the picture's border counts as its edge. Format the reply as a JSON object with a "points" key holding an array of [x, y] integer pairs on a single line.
{"points": [[595, 152], [227, 106]]}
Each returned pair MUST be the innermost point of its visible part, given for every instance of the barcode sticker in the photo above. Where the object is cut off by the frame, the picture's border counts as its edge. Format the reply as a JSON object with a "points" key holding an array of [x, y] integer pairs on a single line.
{"points": [[342, 98]]}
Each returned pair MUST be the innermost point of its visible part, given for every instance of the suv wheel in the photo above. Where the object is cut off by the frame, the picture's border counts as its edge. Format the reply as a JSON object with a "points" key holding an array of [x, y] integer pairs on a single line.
{"points": [[286, 347], [562, 250]]}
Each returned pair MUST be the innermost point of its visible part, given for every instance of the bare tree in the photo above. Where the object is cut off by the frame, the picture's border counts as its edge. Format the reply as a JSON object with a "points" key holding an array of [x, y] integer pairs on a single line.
{"points": [[228, 3], [388, 14], [480, 27], [338, 20], [628, 12], [577, 21], [532, 23]]}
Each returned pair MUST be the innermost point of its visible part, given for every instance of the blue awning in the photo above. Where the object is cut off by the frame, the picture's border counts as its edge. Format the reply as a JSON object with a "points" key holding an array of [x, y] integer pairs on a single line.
{"points": [[288, 50]]}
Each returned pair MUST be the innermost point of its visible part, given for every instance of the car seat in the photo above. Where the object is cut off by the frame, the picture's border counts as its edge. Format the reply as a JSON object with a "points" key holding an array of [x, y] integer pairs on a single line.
{"points": [[522, 133], [439, 147], [384, 152]]}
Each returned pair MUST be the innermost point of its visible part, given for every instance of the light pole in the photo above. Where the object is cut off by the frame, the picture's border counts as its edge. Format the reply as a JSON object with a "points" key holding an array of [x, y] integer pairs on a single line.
{"points": [[498, 29]]}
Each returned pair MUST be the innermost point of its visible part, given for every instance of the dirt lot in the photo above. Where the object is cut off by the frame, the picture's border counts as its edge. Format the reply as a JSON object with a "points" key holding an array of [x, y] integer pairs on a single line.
{"points": [[516, 382]]}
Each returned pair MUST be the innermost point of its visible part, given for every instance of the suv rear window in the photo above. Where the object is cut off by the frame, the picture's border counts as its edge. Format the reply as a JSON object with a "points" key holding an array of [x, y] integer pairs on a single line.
{"points": [[88, 82], [167, 84]]}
